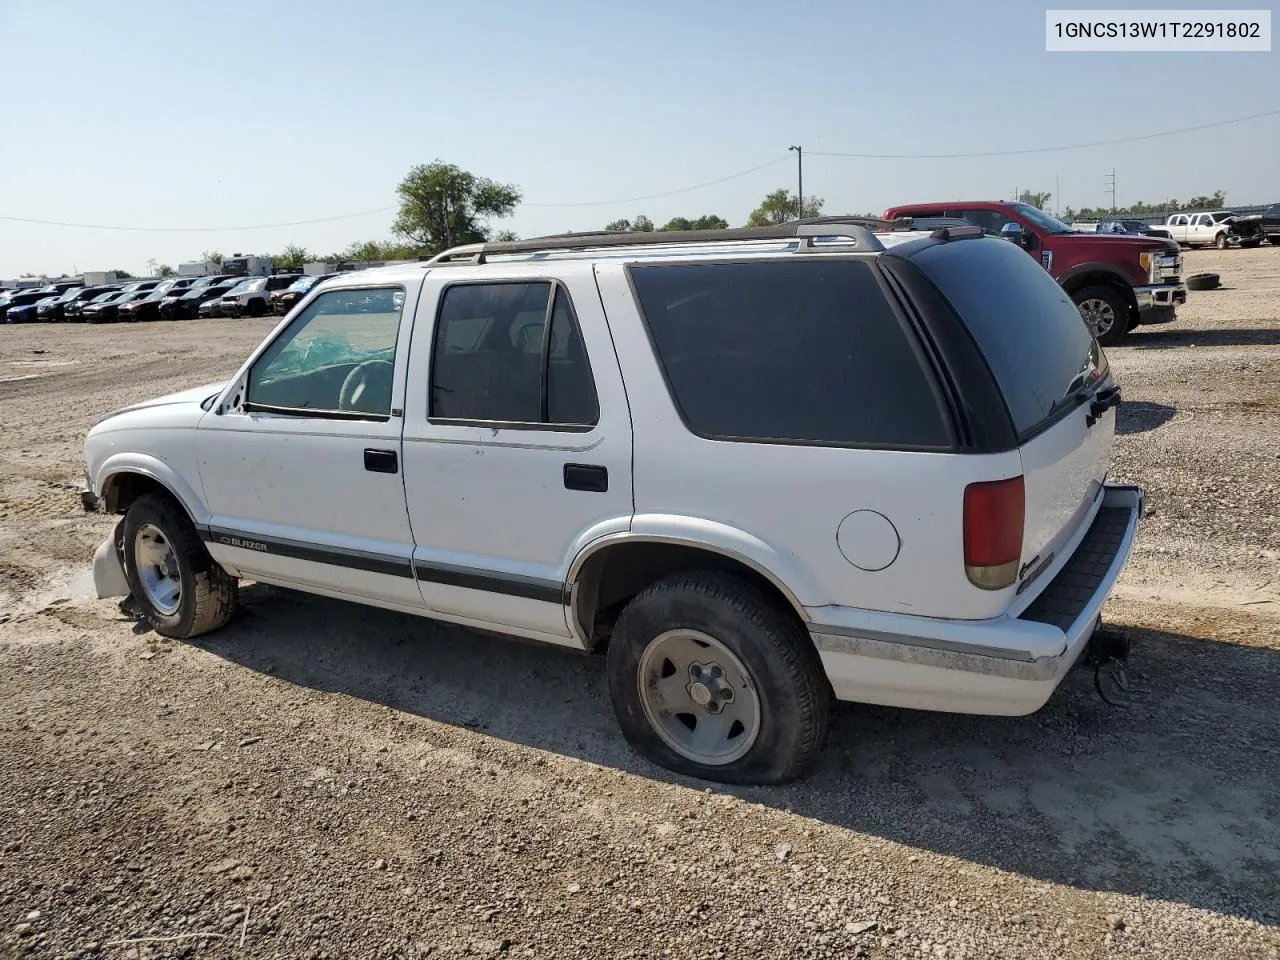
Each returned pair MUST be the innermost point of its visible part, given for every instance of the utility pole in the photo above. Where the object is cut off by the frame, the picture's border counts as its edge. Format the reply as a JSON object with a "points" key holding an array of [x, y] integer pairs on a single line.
{"points": [[800, 183], [1057, 195], [1110, 182]]}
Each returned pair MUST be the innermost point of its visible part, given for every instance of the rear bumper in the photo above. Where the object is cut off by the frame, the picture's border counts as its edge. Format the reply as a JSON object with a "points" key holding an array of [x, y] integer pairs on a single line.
{"points": [[1159, 298], [1007, 666]]}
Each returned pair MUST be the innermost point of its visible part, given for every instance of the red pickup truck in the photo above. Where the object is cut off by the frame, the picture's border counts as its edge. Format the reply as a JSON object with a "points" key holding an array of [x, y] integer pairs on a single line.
{"points": [[1117, 281]]}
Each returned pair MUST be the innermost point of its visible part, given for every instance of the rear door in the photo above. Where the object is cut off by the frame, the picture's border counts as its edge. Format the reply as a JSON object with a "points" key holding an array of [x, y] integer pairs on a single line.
{"points": [[1051, 372], [517, 442]]}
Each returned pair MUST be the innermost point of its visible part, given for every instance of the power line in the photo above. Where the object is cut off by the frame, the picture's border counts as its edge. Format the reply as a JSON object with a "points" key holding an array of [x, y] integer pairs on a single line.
{"points": [[1069, 146], [259, 226], [365, 213], [656, 196], [665, 193]]}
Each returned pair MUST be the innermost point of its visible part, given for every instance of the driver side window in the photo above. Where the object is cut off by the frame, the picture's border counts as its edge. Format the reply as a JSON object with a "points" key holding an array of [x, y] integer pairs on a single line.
{"points": [[335, 359]]}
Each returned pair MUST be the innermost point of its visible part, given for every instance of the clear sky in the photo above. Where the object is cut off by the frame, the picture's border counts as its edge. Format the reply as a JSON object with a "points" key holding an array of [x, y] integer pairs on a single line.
{"points": [[229, 113]]}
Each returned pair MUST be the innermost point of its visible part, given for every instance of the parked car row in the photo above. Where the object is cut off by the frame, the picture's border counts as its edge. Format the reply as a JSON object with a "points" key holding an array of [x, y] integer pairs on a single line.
{"points": [[1223, 229], [176, 298]]}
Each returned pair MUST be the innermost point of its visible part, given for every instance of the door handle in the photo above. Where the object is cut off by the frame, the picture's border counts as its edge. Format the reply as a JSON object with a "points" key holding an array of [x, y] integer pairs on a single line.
{"points": [[381, 461], [586, 476]]}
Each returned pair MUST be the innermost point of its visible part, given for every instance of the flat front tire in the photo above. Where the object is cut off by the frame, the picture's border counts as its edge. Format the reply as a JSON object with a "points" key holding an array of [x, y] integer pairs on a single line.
{"points": [[710, 677], [180, 589]]}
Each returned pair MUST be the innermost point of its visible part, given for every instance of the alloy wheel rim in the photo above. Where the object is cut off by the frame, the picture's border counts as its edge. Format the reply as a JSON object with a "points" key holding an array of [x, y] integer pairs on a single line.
{"points": [[1098, 314]]}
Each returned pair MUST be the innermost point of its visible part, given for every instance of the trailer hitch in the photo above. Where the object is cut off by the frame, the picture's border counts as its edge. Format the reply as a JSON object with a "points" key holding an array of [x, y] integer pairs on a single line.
{"points": [[1108, 654]]}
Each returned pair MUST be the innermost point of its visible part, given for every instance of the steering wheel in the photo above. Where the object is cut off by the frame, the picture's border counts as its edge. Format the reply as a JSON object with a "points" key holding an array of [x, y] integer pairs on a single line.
{"points": [[367, 388]]}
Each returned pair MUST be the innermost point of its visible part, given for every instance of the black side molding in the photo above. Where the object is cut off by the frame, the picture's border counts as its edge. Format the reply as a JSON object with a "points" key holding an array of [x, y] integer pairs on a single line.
{"points": [[490, 581], [353, 559], [510, 584]]}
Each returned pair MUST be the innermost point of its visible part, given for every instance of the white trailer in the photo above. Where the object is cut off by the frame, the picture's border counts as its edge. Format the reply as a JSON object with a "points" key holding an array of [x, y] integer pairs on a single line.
{"points": [[99, 278], [241, 266], [201, 268]]}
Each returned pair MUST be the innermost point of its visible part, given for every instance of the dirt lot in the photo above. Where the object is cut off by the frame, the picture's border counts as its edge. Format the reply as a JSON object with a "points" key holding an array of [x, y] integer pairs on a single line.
{"points": [[323, 780]]}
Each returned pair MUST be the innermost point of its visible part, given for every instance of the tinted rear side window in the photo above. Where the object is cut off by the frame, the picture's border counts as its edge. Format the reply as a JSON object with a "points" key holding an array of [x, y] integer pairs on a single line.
{"points": [[807, 352], [1025, 324]]}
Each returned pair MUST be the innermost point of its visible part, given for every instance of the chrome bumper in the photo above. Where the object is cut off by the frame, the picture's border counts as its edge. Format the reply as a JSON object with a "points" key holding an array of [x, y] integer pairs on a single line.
{"points": [[1008, 666], [1160, 296]]}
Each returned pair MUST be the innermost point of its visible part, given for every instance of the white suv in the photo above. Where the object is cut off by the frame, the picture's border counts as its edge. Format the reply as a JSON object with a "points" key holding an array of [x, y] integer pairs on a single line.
{"points": [[762, 467]]}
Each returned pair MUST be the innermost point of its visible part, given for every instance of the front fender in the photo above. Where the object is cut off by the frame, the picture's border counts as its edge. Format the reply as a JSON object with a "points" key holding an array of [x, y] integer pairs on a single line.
{"points": [[1084, 273], [118, 464]]}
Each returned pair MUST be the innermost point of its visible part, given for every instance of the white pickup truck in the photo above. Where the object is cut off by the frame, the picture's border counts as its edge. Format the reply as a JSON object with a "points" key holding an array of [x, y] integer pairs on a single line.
{"points": [[1218, 228], [763, 468]]}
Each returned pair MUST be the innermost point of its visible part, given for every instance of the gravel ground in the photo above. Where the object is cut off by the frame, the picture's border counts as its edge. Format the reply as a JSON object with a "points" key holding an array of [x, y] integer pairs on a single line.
{"points": [[323, 780]]}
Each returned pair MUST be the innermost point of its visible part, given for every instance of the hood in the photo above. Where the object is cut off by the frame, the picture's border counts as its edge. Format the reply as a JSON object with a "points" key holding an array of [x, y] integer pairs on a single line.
{"points": [[194, 395], [1120, 242]]}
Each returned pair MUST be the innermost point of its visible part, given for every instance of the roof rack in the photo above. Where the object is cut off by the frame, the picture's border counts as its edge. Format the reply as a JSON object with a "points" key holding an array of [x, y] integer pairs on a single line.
{"points": [[857, 229]]}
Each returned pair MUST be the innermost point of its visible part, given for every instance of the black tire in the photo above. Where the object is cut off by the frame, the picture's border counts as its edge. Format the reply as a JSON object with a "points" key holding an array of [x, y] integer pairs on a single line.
{"points": [[256, 308], [789, 683], [1118, 306], [1274, 241], [1220, 241], [1203, 281], [208, 593]]}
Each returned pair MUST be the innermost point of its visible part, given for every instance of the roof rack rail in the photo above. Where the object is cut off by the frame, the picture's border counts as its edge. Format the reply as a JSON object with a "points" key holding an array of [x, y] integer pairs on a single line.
{"points": [[959, 232], [857, 229]]}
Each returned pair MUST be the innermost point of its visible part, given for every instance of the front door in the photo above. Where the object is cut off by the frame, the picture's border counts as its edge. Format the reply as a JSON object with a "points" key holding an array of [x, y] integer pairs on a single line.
{"points": [[517, 451], [301, 469]]}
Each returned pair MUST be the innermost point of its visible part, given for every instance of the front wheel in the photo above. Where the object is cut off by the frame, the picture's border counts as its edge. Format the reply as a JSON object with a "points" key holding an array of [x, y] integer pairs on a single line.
{"points": [[1220, 241], [181, 590], [710, 677], [1105, 312]]}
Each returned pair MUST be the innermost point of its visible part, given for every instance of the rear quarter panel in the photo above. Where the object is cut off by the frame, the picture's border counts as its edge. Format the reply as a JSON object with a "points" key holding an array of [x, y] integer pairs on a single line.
{"points": [[789, 501]]}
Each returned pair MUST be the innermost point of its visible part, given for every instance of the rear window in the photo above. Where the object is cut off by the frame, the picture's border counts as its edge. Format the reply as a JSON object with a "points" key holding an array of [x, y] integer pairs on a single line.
{"points": [[1035, 342], [804, 352]]}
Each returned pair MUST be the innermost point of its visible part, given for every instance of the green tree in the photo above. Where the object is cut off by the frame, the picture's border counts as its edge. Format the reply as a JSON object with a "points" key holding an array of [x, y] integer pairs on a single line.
{"points": [[362, 252], [780, 206], [640, 224], [212, 256], [1215, 201], [442, 205], [291, 256], [121, 273], [1040, 200], [708, 221], [164, 270]]}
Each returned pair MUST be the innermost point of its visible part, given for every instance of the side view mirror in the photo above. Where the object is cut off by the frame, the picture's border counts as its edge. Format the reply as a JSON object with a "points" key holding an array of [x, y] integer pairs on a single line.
{"points": [[1015, 233]]}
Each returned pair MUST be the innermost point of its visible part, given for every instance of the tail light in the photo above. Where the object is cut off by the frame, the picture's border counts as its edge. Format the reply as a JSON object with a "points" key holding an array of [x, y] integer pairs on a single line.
{"points": [[994, 512]]}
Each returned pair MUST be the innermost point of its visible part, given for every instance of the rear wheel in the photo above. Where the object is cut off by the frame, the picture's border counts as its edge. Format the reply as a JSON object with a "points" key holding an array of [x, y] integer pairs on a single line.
{"points": [[710, 677], [1105, 312], [180, 589]]}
